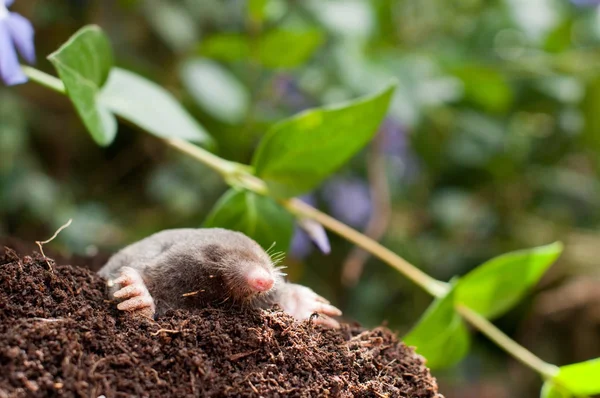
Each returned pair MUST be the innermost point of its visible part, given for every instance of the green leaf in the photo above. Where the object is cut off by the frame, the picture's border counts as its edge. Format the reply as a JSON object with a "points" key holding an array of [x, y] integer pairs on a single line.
{"points": [[83, 64], [497, 285], [276, 49], [581, 378], [486, 87], [441, 335], [300, 152], [172, 22], [149, 106], [288, 49], [216, 90], [591, 132], [256, 10], [259, 217], [226, 47], [549, 390]]}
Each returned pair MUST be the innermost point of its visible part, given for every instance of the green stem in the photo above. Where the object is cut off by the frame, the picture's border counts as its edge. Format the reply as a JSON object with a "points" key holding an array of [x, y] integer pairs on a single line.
{"points": [[236, 174], [430, 285], [44, 79], [548, 371], [224, 167], [298, 208]]}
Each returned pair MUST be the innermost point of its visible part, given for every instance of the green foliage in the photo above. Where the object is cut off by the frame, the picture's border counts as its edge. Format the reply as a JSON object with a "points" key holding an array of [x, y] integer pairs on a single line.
{"points": [[500, 113], [275, 49], [574, 380], [440, 335], [257, 216], [486, 87], [297, 154], [287, 48], [150, 107], [549, 390], [497, 285], [256, 10], [226, 47], [83, 64], [591, 133], [216, 90], [581, 378]]}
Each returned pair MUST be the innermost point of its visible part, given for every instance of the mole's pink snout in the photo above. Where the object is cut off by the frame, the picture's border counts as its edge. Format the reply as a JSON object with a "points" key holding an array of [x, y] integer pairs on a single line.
{"points": [[260, 279]]}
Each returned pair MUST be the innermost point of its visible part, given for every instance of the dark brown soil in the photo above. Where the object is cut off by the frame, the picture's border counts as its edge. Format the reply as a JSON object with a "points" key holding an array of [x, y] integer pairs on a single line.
{"points": [[60, 336]]}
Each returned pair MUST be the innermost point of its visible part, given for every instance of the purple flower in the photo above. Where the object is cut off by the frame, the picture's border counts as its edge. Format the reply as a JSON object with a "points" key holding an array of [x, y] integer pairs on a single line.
{"points": [[300, 247], [15, 32], [307, 230], [403, 164], [349, 200], [317, 234], [395, 141]]}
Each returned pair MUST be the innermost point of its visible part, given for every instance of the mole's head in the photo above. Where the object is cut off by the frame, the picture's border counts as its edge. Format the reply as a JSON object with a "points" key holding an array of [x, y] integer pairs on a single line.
{"points": [[246, 269]]}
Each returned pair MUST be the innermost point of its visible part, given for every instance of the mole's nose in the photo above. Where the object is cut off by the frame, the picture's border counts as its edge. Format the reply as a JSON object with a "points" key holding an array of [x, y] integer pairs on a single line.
{"points": [[260, 280]]}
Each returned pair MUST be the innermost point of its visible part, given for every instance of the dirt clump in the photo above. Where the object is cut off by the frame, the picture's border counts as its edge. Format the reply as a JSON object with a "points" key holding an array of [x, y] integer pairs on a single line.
{"points": [[61, 336]]}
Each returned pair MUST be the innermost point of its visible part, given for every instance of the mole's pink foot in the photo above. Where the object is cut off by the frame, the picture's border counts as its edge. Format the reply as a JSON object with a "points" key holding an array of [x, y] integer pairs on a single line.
{"points": [[301, 302], [136, 297]]}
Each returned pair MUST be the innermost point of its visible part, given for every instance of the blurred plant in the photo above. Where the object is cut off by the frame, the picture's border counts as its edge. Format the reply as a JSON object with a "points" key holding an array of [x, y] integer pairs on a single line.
{"points": [[496, 117], [293, 158], [15, 32], [586, 2]]}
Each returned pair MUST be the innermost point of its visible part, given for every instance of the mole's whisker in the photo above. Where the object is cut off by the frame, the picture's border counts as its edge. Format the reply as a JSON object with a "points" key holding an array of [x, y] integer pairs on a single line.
{"points": [[270, 247]]}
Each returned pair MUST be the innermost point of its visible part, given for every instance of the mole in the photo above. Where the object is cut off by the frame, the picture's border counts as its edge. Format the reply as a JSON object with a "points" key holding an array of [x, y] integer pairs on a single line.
{"points": [[190, 268]]}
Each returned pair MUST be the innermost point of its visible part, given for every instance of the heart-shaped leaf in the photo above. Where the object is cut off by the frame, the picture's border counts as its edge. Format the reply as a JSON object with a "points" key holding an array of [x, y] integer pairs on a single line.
{"points": [[300, 152], [149, 106], [497, 285], [83, 64]]}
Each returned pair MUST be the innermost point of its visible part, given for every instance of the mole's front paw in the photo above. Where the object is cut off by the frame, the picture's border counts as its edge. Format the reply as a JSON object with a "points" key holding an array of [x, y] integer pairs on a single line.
{"points": [[136, 297], [301, 302]]}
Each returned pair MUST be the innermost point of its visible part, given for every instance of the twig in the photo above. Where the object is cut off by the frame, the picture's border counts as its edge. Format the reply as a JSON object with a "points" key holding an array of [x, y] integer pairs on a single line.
{"points": [[386, 366], [48, 319], [165, 331], [41, 243], [252, 387], [192, 293], [241, 355]]}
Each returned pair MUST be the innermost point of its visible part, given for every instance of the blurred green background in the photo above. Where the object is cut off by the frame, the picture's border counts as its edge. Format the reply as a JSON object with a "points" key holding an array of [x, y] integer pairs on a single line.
{"points": [[491, 144]]}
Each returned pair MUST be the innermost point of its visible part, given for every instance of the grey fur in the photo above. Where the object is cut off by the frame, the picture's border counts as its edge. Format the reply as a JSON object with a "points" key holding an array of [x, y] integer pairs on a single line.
{"points": [[209, 263]]}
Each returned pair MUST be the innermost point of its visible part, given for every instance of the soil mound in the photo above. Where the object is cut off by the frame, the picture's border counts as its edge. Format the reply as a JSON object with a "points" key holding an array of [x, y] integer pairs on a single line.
{"points": [[60, 336]]}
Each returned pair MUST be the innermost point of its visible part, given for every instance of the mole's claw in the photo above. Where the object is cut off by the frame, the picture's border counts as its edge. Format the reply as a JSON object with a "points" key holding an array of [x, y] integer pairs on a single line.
{"points": [[301, 302], [129, 292], [324, 320], [136, 303], [327, 309], [134, 290], [138, 306], [128, 276]]}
